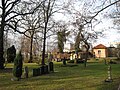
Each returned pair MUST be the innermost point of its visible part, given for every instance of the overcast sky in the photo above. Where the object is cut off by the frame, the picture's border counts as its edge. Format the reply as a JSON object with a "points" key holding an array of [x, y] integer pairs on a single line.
{"points": [[111, 35]]}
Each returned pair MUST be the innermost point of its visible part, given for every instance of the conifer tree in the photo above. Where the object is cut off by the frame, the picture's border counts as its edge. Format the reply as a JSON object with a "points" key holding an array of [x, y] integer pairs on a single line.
{"points": [[17, 70]]}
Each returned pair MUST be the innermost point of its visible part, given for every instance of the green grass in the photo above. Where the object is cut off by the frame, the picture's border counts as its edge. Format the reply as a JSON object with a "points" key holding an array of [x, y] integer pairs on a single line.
{"points": [[64, 78]]}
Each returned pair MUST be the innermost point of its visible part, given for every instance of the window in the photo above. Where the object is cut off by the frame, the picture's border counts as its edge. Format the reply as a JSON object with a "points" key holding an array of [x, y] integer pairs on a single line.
{"points": [[99, 53]]}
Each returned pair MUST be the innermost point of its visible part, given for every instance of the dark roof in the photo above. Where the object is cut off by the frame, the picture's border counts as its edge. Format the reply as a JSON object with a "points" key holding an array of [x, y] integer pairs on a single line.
{"points": [[100, 46]]}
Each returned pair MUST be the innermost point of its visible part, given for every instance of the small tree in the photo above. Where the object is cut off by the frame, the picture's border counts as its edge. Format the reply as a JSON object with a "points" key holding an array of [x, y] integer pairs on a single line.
{"points": [[11, 54], [17, 70]]}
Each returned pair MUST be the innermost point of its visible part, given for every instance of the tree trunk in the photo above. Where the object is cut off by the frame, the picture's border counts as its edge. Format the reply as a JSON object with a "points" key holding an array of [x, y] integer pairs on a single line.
{"points": [[86, 53], [86, 57], [44, 43], [31, 42], [2, 35], [1, 47]]}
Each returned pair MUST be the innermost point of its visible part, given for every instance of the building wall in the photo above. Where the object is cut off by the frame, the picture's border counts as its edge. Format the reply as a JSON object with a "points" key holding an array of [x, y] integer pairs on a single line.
{"points": [[100, 53], [68, 47]]}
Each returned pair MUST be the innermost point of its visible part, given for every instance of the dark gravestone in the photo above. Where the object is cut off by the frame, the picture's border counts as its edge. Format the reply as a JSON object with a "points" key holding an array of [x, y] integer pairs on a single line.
{"points": [[44, 69], [36, 71], [51, 68], [11, 54], [64, 61]]}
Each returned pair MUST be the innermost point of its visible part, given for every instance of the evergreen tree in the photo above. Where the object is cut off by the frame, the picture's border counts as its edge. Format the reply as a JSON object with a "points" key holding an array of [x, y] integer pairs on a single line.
{"points": [[11, 54], [17, 70]]}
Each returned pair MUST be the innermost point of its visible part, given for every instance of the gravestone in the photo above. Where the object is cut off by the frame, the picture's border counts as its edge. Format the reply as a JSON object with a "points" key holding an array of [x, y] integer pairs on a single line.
{"points": [[44, 69], [51, 67], [64, 61], [36, 71], [26, 72]]}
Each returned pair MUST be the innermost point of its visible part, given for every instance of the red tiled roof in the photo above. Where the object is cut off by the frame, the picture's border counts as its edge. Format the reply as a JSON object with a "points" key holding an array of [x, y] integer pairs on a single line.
{"points": [[100, 46]]}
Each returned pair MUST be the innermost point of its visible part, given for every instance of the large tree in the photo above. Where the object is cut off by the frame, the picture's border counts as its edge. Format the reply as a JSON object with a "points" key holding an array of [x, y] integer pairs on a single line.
{"points": [[31, 24], [7, 18], [84, 20], [48, 9], [62, 34], [7, 14]]}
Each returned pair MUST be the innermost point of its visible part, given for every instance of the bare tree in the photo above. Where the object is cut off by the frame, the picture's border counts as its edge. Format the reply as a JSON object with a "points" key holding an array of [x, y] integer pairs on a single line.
{"points": [[84, 22], [8, 13], [31, 24], [6, 9], [48, 7]]}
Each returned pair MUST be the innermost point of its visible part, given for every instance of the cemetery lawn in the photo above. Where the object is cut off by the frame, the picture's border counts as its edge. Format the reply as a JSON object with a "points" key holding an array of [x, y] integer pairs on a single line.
{"points": [[64, 78]]}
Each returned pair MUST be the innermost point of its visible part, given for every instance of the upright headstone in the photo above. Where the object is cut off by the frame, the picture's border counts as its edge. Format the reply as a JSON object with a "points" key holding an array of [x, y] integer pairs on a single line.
{"points": [[50, 63], [51, 67], [64, 61], [26, 72]]}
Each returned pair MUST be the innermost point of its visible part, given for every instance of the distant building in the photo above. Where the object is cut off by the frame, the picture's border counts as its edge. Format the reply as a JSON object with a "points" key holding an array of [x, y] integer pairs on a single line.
{"points": [[100, 51], [68, 47]]}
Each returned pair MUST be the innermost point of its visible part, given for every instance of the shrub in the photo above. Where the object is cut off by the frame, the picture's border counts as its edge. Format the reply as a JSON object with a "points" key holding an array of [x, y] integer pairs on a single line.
{"points": [[71, 61], [78, 61], [17, 70], [112, 62], [11, 54]]}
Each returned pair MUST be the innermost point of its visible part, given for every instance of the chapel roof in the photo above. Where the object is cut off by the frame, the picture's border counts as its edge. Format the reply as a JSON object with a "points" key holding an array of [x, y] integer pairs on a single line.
{"points": [[100, 46]]}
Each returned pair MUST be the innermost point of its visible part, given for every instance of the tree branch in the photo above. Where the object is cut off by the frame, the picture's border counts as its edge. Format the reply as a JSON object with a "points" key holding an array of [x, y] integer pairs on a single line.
{"points": [[15, 29], [103, 10]]}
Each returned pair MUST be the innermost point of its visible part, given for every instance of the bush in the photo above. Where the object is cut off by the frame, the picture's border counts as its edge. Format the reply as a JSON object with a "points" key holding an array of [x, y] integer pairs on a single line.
{"points": [[78, 61], [11, 54], [71, 61], [112, 62], [17, 70]]}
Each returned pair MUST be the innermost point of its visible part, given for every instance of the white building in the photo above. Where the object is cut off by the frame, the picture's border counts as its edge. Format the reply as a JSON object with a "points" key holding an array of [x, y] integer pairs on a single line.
{"points": [[68, 47]]}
